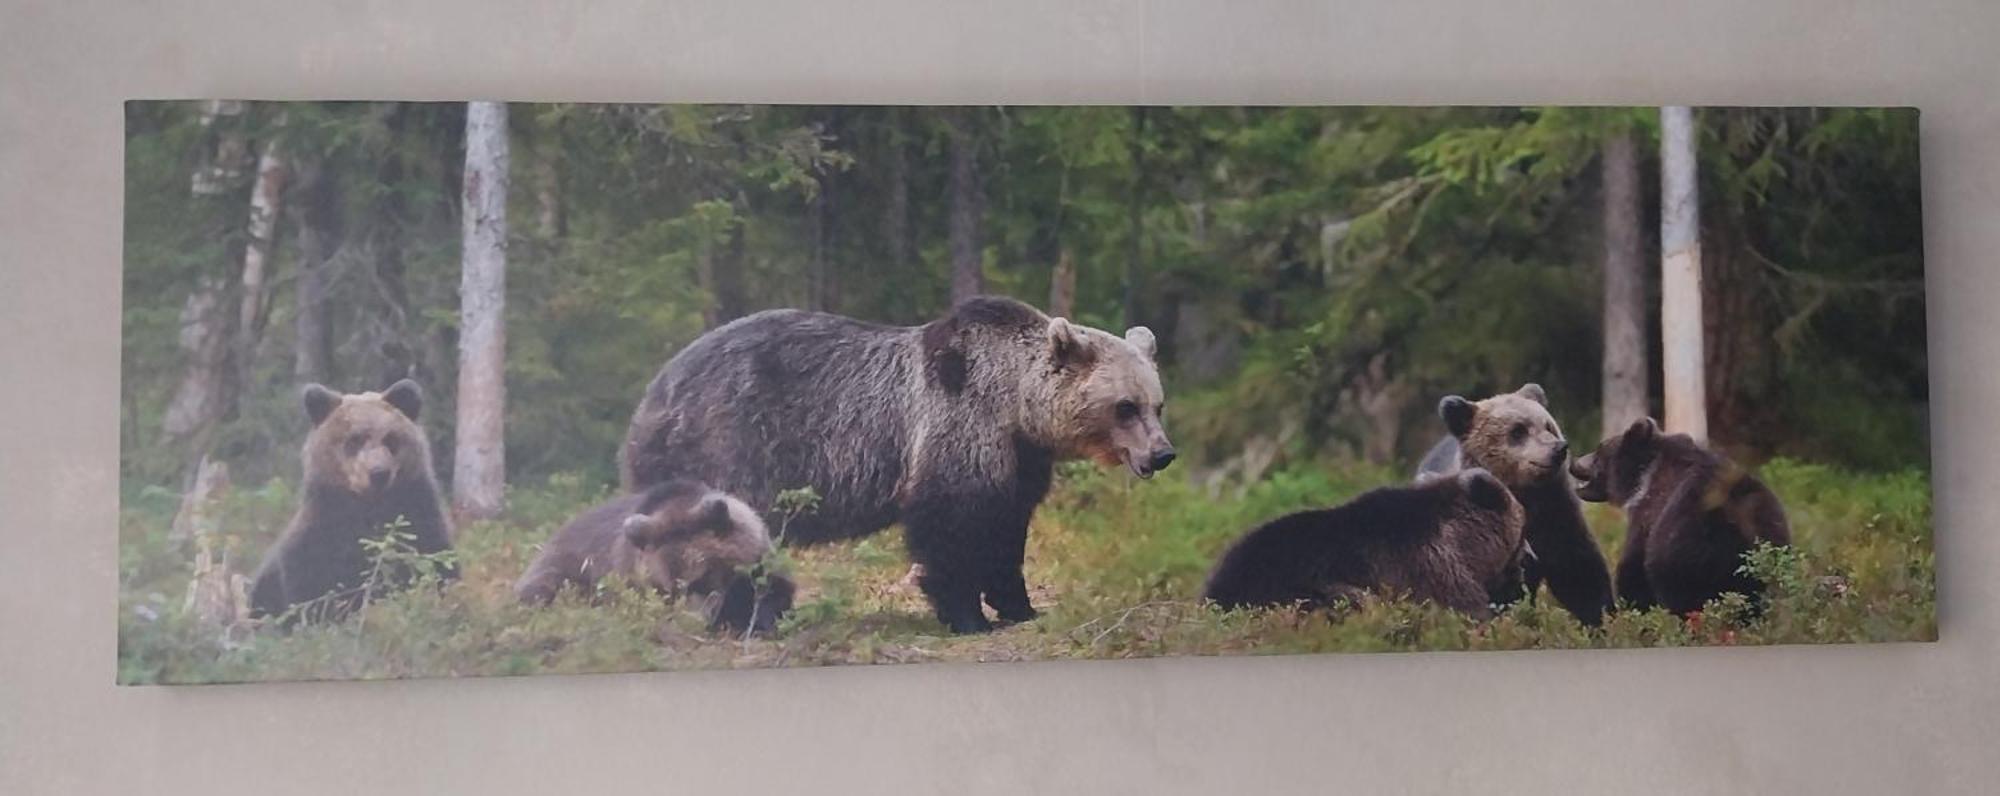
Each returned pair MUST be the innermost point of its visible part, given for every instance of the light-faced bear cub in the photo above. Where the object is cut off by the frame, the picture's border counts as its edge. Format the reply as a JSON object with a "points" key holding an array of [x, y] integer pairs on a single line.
{"points": [[1450, 540], [1513, 436], [367, 468], [680, 538], [1690, 514]]}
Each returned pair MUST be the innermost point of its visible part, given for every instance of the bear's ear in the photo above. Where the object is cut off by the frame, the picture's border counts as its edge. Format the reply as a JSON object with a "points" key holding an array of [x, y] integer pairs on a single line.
{"points": [[638, 530], [1066, 343], [319, 402], [1142, 338], [1457, 413], [1483, 490], [1533, 392], [406, 396], [1644, 429]]}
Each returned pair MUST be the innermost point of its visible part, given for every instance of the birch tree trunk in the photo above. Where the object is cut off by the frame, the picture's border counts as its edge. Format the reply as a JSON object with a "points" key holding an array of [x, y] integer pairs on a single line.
{"points": [[479, 459], [1625, 382], [207, 390], [1680, 276], [968, 276]]}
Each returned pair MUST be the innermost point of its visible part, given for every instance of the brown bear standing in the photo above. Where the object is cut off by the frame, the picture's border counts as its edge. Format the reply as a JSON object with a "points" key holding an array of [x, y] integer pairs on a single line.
{"points": [[952, 428], [679, 537], [367, 467], [1691, 515], [1513, 436], [1451, 540]]}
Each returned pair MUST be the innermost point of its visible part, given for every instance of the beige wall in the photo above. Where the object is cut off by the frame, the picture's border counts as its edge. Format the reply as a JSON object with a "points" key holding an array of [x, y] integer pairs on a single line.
{"points": [[1856, 719]]}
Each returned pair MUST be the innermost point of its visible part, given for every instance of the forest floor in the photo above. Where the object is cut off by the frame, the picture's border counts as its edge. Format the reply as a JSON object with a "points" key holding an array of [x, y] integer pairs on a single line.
{"points": [[1115, 566]]}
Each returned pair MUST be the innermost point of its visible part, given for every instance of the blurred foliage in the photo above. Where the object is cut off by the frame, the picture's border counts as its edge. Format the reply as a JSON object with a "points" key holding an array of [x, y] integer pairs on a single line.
{"points": [[1301, 261]]}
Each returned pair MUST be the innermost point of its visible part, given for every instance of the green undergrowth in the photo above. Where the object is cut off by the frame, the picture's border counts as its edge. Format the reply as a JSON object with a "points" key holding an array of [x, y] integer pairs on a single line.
{"points": [[1114, 565]]}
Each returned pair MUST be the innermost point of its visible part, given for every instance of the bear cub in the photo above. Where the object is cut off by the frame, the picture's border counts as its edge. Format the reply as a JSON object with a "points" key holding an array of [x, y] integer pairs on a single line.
{"points": [[1691, 515], [678, 537], [1513, 436], [1451, 540], [367, 466]]}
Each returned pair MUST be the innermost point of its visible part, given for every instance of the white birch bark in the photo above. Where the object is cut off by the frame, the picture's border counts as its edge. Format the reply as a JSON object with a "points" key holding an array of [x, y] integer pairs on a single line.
{"points": [[479, 457], [1680, 276]]}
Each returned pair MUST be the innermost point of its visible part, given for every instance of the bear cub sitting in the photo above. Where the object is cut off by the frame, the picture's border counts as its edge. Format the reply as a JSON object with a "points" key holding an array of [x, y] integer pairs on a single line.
{"points": [[1451, 540], [1691, 516], [1513, 436], [367, 468], [679, 537]]}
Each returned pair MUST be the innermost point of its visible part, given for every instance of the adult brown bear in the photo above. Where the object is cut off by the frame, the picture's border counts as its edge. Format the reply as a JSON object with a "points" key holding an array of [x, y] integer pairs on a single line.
{"points": [[952, 428]]}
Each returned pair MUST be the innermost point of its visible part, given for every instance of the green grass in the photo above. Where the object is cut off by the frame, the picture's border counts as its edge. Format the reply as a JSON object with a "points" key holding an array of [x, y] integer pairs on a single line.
{"points": [[1114, 565]]}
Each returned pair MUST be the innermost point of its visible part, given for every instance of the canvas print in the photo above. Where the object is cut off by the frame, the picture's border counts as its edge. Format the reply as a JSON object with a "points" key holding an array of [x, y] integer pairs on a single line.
{"points": [[485, 388]]}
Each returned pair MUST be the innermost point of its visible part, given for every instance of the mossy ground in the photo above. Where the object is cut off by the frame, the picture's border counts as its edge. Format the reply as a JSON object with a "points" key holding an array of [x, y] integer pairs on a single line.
{"points": [[1115, 567]]}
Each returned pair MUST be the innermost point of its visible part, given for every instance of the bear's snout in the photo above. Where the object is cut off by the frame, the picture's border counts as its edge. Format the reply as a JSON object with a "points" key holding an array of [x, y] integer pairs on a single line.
{"points": [[1160, 459]]}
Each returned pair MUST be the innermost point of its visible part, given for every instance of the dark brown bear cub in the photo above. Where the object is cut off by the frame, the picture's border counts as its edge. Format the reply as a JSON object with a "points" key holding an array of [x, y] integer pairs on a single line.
{"points": [[367, 468], [1449, 540], [1691, 515], [1513, 436], [679, 537]]}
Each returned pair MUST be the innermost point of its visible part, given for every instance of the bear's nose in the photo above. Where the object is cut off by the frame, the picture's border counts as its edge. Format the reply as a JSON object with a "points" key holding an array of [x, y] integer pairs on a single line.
{"points": [[378, 478], [1161, 458]]}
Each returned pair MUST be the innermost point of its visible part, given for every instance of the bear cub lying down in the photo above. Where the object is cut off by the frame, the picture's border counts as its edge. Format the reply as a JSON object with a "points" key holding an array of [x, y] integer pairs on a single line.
{"points": [[678, 537], [1451, 540], [1691, 515]]}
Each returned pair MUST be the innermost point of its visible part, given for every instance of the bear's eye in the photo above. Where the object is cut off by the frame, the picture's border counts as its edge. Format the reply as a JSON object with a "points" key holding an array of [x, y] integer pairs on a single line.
{"points": [[390, 444], [1518, 433], [1127, 410], [354, 443]]}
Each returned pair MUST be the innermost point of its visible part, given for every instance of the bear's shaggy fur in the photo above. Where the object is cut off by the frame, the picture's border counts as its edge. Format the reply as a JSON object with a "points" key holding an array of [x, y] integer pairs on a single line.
{"points": [[1691, 515], [367, 465], [679, 537], [952, 428], [1450, 540], [1513, 436]]}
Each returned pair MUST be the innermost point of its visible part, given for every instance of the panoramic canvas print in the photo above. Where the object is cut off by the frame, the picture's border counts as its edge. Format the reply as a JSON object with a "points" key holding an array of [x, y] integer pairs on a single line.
{"points": [[454, 389]]}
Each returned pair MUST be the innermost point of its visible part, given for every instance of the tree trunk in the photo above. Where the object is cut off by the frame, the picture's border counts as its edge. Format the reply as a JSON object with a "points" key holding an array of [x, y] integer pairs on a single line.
{"points": [[1062, 286], [211, 343], [1134, 233], [1680, 276], [224, 149], [479, 460], [199, 399], [896, 210], [319, 223], [549, 220], [1625, 382], [968, 277]]}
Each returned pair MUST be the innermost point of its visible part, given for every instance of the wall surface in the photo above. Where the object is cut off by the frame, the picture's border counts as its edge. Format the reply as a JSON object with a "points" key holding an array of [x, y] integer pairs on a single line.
{"points": [[1894, 718]]}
